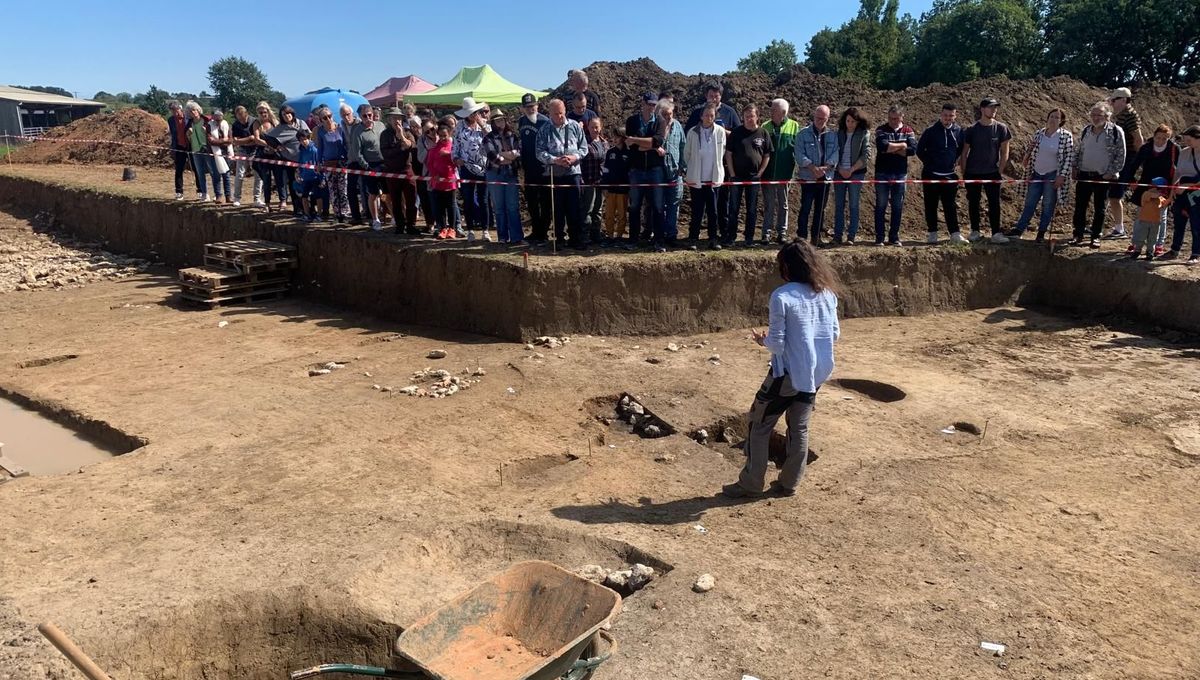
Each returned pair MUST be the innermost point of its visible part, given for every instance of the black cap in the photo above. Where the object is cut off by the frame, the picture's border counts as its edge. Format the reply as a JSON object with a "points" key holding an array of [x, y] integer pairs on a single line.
{"points": [[989, 101], [527, 99], [649, 98], [1193, 131]]}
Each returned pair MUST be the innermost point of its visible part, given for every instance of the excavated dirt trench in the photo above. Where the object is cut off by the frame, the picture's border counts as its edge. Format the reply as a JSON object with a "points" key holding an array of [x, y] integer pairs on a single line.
{"points": [[468, 287]]}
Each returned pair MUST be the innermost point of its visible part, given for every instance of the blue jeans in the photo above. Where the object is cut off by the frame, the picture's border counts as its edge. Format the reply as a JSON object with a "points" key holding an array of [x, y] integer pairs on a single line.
{"points": [[750, 193], [1182, 222], [1041, 188], [672, 196], [887, 194], [638, 193], [840, 192], [504, 203], [204, 166]]}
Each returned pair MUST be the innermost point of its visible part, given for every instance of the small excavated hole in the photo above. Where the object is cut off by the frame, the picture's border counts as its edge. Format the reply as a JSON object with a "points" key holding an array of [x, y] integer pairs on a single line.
{"points": [[727, 436], [46, 361], [621, 411], [873, 389]]}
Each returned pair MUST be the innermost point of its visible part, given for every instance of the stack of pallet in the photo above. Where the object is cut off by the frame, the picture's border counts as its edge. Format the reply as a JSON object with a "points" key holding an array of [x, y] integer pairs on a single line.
{"points": [[239, 271]]}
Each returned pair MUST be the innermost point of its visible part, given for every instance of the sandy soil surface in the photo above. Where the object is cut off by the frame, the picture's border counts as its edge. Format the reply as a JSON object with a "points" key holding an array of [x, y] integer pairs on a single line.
{"points": [[277, 520]]}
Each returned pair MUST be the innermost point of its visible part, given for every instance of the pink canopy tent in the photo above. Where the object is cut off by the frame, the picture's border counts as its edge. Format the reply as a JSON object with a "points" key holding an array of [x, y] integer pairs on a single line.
{"points": [[394, 90]]}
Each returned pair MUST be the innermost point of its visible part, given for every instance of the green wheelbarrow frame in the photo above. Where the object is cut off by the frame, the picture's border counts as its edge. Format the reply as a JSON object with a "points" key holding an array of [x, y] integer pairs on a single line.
{"points": [[533, 621]]}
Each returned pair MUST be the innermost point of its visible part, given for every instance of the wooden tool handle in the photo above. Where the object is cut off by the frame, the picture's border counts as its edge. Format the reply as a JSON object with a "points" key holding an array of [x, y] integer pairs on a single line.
{"points": [[72, 651]]}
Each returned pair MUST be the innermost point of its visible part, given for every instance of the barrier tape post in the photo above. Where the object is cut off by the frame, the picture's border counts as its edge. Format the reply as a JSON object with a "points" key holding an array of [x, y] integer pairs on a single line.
{"points": [[553, 221]]}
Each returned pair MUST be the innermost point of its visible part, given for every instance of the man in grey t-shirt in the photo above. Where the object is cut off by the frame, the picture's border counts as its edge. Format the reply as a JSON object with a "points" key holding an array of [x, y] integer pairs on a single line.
{"points": [[985, 154]]}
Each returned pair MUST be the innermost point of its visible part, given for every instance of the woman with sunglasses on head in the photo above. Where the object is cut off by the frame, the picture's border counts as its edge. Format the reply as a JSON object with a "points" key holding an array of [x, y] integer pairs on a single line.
{"points": [[270, 173], [331, 142]]}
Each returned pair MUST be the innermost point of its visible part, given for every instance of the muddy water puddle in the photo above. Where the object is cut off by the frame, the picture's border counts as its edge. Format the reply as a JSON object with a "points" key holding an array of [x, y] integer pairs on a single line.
{"points": [[41, 446]]}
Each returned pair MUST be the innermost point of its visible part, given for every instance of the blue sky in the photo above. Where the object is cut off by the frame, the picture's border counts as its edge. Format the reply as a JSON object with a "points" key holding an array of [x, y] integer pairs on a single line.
{"points": [[85, 46]]}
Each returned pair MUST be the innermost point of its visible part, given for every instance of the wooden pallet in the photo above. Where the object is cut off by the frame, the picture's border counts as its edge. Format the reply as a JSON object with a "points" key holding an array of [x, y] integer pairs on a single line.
{"points": [[233, 297], [249, 252], [264, 265], [218, 279]]}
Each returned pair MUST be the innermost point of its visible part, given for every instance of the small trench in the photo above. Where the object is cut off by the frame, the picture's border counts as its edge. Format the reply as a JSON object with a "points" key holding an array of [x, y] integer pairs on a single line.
{"points": [[872, 389], [41, 438], [46, 361], [624, 412]]}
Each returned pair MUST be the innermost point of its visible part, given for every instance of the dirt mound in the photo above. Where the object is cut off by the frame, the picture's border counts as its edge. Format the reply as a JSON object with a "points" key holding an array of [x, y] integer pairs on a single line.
{"points": [[1024, 104], [132, 126]]}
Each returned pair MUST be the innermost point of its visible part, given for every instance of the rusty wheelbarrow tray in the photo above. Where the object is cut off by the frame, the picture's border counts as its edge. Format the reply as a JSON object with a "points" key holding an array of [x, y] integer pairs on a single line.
{"points": [[533, 621]]}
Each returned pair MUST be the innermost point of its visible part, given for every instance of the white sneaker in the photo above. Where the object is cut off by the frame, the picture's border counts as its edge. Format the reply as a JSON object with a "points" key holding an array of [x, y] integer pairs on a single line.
{"points": [[258, 203], [957, 238], [237, 204], [931, 237], [204, 198], [178, 197], [487, 236], [975, 236], [376, 225], [470, 235], [998, 238]]}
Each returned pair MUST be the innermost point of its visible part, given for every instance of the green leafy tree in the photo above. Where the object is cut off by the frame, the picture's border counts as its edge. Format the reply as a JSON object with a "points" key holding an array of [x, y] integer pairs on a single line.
{"points": [[237, 81], [777, 57], [961, 40], [153, 100], [874, 47], [1118, 42]]}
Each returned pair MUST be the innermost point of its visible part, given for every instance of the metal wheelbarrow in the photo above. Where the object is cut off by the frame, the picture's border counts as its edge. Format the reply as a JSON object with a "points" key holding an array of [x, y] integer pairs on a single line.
{"points": [[533, 621]]}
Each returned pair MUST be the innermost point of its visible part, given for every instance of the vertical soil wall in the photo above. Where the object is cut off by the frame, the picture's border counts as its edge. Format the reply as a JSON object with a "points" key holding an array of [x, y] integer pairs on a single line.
{"points": [[463, 288]]}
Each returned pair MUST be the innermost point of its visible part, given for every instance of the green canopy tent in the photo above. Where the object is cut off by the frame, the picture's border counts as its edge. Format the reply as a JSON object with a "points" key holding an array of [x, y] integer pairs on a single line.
{"points": [[480, 82]]}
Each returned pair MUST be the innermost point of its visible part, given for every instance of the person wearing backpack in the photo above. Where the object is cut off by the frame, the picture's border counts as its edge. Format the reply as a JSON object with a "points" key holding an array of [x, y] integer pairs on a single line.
{"points": [[1098, 163]]}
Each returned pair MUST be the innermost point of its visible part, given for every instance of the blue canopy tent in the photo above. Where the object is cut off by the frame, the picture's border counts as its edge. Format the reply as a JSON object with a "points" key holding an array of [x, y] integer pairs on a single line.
{"points": [[327, 96]]}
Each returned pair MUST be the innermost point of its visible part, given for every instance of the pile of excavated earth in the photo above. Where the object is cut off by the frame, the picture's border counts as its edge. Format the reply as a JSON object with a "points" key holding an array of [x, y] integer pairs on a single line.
{"points": [[141, 135]]}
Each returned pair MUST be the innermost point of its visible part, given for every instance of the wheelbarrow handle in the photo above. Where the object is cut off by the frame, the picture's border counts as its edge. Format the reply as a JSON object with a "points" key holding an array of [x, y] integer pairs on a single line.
{"points": [[581, 668], [353, 669]]}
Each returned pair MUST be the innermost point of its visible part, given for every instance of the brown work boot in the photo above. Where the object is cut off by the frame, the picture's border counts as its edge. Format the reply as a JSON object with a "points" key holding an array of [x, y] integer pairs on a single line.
{"points": [[736, 490]]}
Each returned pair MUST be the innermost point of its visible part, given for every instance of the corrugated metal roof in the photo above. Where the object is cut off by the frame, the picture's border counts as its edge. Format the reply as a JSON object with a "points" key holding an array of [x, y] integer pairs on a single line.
{"points": [[16, 94]]}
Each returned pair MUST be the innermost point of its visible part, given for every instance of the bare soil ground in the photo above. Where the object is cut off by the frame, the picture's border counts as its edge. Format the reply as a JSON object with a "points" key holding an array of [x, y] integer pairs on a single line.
{"points": [[276, 520]]}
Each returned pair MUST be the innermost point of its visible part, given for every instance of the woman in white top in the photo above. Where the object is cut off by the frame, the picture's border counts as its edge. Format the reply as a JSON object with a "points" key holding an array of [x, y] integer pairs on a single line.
{"points": [[802, 331], [220, 138], [704, 155], [1048, 164]]}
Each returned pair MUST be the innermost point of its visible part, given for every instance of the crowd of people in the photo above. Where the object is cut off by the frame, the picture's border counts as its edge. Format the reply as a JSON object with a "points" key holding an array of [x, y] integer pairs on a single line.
{"points": [[622, 184]]}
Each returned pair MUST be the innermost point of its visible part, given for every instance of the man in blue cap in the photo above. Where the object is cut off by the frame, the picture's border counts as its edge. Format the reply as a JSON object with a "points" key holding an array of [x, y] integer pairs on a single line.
{"points": [[537, 192]]}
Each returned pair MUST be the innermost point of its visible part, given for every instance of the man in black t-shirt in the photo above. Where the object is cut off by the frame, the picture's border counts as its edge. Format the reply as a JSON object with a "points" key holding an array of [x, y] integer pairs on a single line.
{"points": [[242, 132], [747, 155], [985, 153]]}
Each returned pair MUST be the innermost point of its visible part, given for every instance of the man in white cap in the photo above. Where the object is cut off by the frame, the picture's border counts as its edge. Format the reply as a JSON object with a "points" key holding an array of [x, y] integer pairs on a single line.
{"points": [[1126, 118]]}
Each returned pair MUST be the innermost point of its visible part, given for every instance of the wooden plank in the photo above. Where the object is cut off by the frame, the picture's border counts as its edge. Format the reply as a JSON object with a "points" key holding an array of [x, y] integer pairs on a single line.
{"points": [[10, 466], [223, 279], [229, 299], [234, 289], [247, 267]]}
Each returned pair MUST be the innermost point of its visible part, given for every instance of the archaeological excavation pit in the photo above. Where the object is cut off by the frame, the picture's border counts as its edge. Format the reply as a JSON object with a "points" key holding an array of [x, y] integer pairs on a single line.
{"points": [[39, 439]]}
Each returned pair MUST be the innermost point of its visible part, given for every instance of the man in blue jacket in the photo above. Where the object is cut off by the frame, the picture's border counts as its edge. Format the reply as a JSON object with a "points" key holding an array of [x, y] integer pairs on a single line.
{"points": [[816, 155], [939, 148], [537, 193], [894, 143]]}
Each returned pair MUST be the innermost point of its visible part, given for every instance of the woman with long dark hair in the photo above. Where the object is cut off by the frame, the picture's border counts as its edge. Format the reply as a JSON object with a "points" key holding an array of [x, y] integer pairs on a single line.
{"points": [[854, 155], [801, 333]]}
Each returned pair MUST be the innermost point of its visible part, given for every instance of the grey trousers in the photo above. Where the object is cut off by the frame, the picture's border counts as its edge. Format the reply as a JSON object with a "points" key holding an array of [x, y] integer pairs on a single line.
{"points": [[775, 398], [775, 213]]}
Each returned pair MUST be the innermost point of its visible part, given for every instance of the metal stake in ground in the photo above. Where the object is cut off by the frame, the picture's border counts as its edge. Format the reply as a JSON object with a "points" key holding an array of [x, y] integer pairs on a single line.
{"points": [[553, 217]]}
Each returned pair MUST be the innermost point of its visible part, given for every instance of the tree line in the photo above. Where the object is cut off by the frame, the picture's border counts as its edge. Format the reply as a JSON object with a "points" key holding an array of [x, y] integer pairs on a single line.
{"points": [[1101, 42], [233, 80]]}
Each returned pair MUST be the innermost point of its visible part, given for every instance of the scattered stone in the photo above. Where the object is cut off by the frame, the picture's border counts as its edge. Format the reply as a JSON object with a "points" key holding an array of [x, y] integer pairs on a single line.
{"points": [[549, 341], [672, 347], [640, 576], [637, 408], [664, 457], [539, 355], [705, 583], [411, 390], [592, 572], [479, 372], [618, 579], [702, 436], [436, 354], [659, 604], [727, 435], [333, 365], [366, 374], [716, 358], [529, 347], [314, 372], [634, 419], [653, 360], [386, 389], [652, 431], [222, 324], [376, 387]]}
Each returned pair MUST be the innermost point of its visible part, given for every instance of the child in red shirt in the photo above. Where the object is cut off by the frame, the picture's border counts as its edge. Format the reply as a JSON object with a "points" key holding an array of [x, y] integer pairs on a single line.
{"points": [[443, 183]]}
